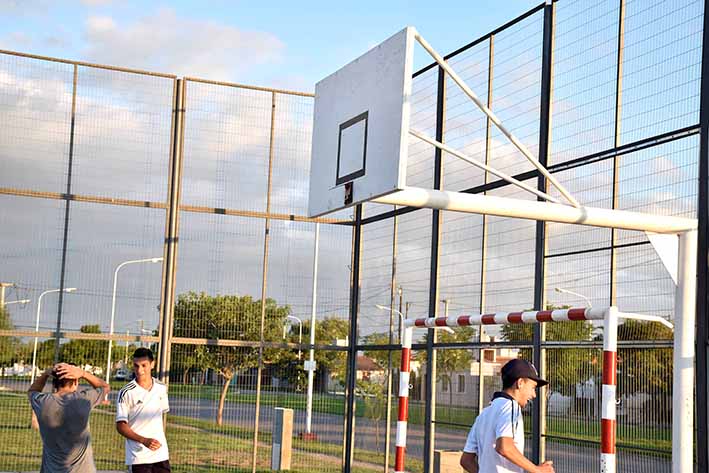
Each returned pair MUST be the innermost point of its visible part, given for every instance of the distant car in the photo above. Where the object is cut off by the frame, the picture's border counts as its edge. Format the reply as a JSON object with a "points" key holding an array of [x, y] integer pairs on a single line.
{"points": [[122, 374]]}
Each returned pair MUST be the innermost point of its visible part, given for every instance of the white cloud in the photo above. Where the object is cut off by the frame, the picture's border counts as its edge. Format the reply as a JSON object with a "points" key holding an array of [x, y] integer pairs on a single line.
{"points": [[184, 46], [96, 3]]}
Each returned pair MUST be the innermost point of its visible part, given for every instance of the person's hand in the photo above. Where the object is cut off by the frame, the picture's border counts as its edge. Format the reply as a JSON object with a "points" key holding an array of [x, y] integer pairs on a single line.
{"points": [[152, 444], [67, 371], [546, 467]]}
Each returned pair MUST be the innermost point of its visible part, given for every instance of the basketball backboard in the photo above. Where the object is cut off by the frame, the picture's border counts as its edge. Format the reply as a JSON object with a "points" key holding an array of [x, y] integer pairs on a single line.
{"points": [[361, 127]]}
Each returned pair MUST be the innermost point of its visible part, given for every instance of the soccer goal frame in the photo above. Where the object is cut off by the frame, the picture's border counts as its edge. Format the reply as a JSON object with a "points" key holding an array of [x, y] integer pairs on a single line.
{"points": [[609, 316]]}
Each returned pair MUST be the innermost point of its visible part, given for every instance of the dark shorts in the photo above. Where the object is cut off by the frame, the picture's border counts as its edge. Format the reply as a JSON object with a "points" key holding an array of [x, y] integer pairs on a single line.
{"points": [[160, 467]]}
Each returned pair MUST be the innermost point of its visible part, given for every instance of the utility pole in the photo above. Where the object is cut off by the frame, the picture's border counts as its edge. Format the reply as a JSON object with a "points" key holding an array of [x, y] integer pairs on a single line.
{"points": [[142, 323], [445, 307], [4, 285], [400, 291], [125, 358]]}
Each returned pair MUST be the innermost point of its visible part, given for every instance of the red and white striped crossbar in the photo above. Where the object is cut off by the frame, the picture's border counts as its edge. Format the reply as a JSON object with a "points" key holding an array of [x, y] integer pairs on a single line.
{"points": [[497, 318], [610, 340]]}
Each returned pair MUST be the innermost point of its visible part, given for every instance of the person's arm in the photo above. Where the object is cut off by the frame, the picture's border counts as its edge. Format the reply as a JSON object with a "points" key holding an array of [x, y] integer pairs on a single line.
{"points": [[65, 370], [39, 382], [469, 462], [124, 429], [506, 447]]}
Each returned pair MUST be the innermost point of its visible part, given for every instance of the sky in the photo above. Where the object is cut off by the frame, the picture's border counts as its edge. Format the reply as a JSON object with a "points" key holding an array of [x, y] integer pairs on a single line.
{"points": [[288, 45], [122, 140]]}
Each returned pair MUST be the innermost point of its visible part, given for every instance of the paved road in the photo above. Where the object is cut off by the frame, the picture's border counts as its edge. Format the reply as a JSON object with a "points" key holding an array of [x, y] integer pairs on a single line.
{"points": [[369, 435]]}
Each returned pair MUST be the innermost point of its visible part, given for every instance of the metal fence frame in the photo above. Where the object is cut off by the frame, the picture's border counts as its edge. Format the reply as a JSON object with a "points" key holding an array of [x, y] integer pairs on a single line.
{"points": [[173, 209]]}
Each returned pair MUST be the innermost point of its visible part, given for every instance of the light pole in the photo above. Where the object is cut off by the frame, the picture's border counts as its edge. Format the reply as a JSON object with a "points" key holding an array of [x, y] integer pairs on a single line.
{"points": [[21, 301], [566, 291], [309, 364], [393, 311], [300, 331], [36, 324], [113, 305]]}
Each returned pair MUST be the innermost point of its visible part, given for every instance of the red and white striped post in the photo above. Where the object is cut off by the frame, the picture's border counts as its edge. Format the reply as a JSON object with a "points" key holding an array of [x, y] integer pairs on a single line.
{"points": [[610, 342], [608, 396], [401, 424]]}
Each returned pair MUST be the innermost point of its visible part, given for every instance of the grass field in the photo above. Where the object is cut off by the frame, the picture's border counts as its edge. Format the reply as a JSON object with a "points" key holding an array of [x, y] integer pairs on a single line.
{"points": [[195, 445], [199, 445]]}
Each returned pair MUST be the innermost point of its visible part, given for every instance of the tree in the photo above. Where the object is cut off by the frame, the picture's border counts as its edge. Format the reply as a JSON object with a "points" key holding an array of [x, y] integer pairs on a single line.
{"points": [[327, 332], [381, 357], [225, 317], [566, 367], [450, 361], [642, 369], [87, 352]]}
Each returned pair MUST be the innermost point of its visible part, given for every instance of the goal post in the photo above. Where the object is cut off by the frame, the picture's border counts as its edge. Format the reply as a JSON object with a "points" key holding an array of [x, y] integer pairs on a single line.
{"points": [[609, 316]]}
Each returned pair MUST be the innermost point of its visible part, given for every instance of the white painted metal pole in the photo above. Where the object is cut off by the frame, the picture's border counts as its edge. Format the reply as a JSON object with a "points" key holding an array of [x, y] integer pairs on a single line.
{"points": [[113, 315], [533, 210], [113, 307], [36, 325], [36, 329], [683, 375], [311, 358], [482, 166], [521, 147]]}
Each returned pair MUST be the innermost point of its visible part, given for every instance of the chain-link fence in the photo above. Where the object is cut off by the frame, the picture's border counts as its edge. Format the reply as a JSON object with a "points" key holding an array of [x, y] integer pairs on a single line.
{"points": [[139, 209]]}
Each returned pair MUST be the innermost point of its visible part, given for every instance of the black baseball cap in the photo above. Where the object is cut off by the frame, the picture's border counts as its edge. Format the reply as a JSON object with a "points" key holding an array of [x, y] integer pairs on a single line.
{"points": [[519, 368]]}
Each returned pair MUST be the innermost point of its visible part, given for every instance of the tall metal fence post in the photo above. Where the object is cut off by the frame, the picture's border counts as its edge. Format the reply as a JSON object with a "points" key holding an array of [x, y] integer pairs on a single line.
{"points": [[617, 142], [483, 240], [539, 406], [429, 436], [351, 376], [167, 296], [264, 282], [65, 240], [390, 371], [702, 336]]}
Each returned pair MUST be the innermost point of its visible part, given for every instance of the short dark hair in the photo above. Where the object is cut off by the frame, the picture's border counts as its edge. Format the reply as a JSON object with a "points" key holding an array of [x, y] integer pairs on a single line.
{"points": [[143, 352], [507, 383], [58, 383]]}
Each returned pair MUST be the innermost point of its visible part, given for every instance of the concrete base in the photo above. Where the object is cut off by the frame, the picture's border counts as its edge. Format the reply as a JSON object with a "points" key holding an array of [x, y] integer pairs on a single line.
{"points": [[447, 461]]}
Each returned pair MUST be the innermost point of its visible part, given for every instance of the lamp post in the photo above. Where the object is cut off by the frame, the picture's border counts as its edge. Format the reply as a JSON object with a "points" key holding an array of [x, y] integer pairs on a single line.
{"points": [[113, 305], [309, 364], [300, 331], [21, 301], [393, 311], [566, 291], [36, 325]]}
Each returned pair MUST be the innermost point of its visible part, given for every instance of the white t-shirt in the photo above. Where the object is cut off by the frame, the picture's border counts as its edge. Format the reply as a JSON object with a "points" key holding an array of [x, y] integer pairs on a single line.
{"points": [[502, 418], [143, 409]]}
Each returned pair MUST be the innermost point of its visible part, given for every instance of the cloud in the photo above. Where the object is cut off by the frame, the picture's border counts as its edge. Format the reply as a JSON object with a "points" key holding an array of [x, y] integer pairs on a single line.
{"points": [[96, 3], [16, 40], [184, 46]]}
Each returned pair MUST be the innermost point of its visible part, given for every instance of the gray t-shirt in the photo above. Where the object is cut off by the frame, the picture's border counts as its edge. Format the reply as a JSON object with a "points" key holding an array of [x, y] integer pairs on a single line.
{"points": [[64, 427]]}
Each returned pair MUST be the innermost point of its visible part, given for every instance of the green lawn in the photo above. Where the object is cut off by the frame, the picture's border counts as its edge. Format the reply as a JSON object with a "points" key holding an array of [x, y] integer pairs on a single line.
{"points": [[195, 446], [199, 445]]}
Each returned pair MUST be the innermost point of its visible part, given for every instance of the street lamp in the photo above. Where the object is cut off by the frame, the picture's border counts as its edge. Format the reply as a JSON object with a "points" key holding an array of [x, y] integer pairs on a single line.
{"points": [[36, 325], [300, 331], [21, 301], [391, 309], [566, 291], [113, 305]]}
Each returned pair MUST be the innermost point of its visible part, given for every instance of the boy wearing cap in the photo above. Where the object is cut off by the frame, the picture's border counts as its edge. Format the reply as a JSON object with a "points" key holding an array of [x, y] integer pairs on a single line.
{"points": [[496, 440]]}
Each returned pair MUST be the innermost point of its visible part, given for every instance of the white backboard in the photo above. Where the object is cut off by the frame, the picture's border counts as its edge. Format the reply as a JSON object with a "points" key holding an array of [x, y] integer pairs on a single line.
{"points": [[361, 126]]}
